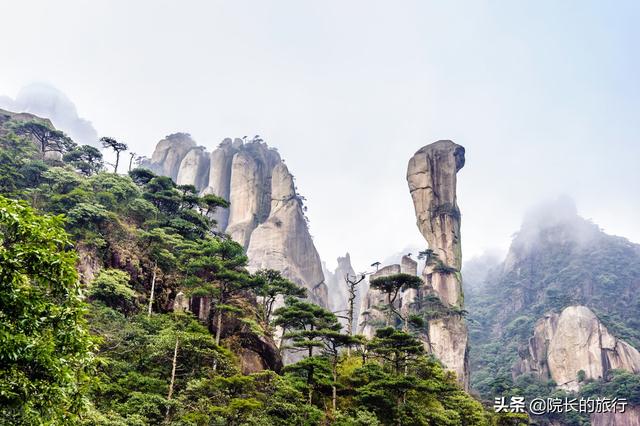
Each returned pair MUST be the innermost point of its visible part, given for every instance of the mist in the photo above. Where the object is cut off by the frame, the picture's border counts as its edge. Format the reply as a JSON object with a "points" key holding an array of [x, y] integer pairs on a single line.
{"points": [[543, 96], [44, 100]]}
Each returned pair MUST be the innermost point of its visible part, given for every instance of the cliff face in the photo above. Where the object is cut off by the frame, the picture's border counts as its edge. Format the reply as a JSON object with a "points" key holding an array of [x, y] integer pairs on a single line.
{"points": [[169, 153], [282, 241], [266, 215], [574, 340], [431, 175]]}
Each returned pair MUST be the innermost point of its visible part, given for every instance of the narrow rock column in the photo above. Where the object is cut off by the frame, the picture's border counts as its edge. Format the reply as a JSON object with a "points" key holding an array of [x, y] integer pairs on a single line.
{"points": [[431, 175], [372, 318]]}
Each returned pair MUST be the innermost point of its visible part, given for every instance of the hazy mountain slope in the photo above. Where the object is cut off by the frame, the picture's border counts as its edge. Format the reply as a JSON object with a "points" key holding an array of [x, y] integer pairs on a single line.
{"points": [[557, 259]]}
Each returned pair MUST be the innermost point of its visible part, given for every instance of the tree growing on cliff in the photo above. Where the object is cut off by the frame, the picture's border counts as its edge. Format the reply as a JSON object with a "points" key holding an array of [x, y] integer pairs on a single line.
{"points": [[271, 285], [308, 327], [48, 139], [116, 146], [391, 286], [216, 268], [159, 246]]}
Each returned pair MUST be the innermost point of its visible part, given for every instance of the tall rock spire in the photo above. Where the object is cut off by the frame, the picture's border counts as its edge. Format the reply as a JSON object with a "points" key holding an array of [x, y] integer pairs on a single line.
{"points": [[431, 175]]}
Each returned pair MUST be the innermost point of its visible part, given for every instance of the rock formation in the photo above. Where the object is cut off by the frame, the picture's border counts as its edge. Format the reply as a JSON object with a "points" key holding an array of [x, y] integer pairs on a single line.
{"points": [[431, 175], [572, 341], [338, 290], [169, 152], [371, 317], [265, 215], [282, 241], [194, 168]]}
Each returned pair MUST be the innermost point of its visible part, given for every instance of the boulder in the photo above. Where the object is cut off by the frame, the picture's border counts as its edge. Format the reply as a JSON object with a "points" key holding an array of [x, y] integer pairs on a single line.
{"points": [[572, 341]]}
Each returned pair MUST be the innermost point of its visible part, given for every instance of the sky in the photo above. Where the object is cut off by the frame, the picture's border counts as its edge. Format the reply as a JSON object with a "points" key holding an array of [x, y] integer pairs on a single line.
{"points": [[544, 96]]}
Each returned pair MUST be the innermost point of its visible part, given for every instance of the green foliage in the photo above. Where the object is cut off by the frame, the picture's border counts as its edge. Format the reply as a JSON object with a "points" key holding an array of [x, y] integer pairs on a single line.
{"points": [[141, 176], [85, 158], [48, 139], [45, 348], [567, 264], [269, 286], [619, 384], [111, 287], [392, 285], [141, 230], [395, 347]]}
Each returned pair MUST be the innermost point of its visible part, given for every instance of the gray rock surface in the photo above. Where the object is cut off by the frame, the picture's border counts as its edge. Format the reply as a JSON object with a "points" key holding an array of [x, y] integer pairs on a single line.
{"points": [[194, 168], [283, 242], [219, 182], [169, 152], [408, 266], [574, 340], [431, 175], [265, 215], [370, 317]]}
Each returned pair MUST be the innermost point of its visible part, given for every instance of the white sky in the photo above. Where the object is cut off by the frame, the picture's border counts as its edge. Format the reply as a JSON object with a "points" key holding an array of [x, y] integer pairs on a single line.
{"points": [[544, 95]]}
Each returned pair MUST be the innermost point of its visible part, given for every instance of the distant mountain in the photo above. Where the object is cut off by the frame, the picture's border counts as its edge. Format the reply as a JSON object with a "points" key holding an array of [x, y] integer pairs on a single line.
{"points": [[49, 102], [557, 259]]}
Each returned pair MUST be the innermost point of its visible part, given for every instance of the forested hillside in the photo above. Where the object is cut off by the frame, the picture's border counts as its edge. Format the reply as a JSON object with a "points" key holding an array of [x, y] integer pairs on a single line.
{"points": [[99, 273], [556, 260]]}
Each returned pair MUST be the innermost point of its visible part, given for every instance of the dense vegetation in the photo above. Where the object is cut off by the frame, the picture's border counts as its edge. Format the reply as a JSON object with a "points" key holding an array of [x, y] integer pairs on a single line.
{"points": [[116, 344], [551, 266]]}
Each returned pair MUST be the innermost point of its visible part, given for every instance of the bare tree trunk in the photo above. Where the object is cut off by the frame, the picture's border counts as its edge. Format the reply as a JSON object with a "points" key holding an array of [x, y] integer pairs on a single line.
{"points": [[153, 287], [333, 386], [173, 374], [218, 327], [218, 335], [115, 168], [131, 161], [390, 310]]}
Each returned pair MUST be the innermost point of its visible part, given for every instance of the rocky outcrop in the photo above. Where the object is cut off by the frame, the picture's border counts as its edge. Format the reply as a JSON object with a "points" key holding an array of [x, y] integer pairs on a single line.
{"points": [[169, 153], [194, 168], [572, 341], [265, 215], [219, 182], [251, 190], [431, 175], [282, 242]]}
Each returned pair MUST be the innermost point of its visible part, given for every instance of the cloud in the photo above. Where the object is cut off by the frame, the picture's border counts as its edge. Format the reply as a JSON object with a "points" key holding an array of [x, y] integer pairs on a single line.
{"points": [[47, 101]]}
